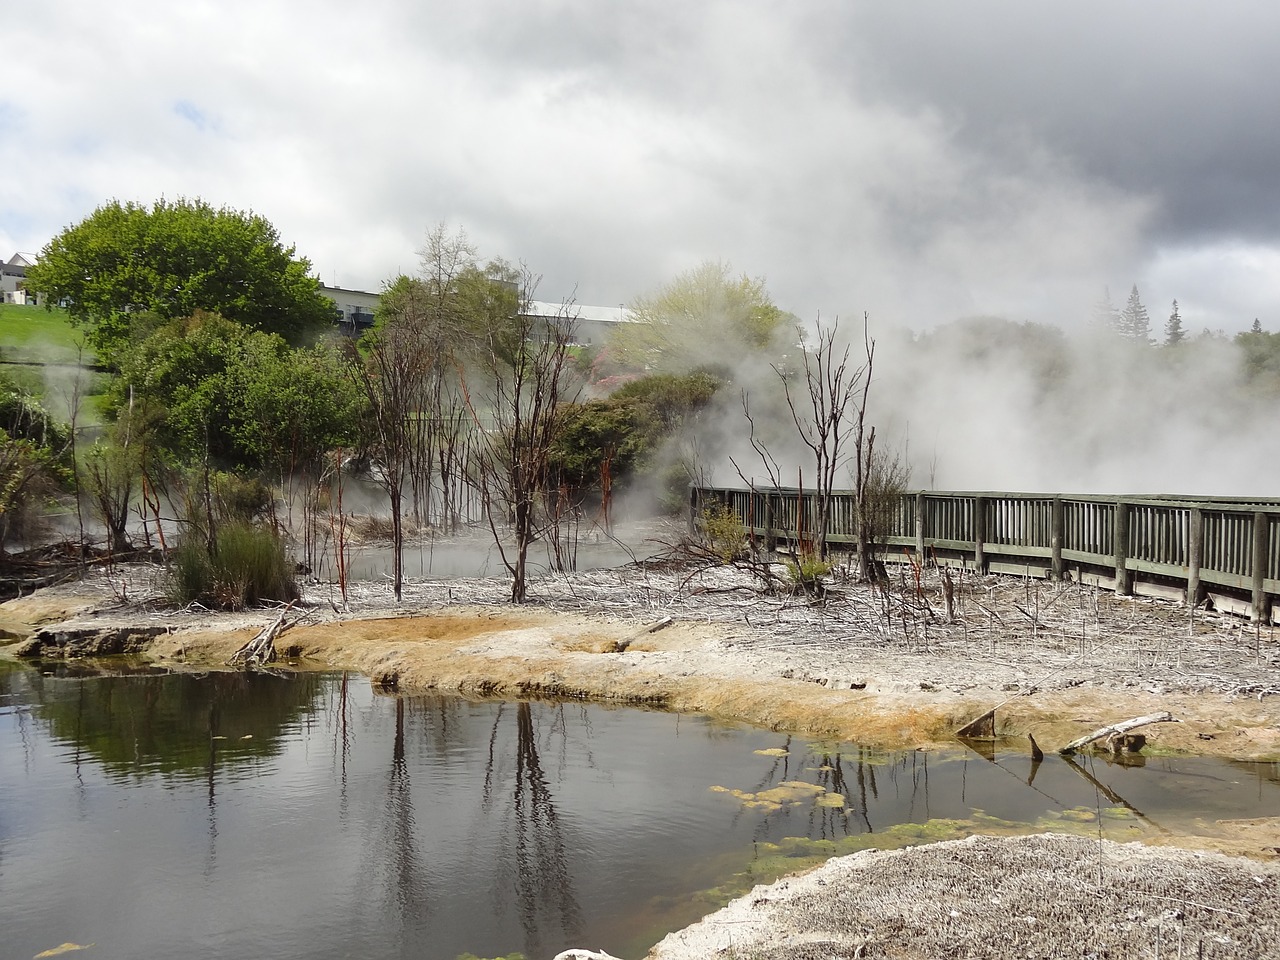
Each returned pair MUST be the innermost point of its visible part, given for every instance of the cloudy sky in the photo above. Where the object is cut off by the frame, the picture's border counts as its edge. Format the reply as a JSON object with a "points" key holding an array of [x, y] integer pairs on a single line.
{"points": [[920, 161]]}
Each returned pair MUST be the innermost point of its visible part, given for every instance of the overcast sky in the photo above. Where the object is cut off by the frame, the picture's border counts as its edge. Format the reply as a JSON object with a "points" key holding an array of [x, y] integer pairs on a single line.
{"points": [[920, 161]]}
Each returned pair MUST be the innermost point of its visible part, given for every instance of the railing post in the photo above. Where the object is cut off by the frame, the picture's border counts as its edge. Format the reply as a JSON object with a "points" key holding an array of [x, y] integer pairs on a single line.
{"points": [[920, 527], [980, 535], [770, 534], [1261, 611], [693, 509], [1120, 548], [1195, 555], [1056, 524]]}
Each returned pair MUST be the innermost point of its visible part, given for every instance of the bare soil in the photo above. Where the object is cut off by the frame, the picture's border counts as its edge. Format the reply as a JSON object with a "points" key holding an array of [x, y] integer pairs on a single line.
{"points": [[892, 668]]}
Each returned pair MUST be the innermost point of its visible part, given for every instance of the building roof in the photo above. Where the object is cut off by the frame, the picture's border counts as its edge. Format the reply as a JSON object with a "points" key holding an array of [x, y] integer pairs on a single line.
{"points": [[581, 311]]}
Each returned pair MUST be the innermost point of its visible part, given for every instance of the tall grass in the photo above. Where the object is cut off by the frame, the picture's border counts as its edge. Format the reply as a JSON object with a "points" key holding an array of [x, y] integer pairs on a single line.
{"points": [[246, 566]]}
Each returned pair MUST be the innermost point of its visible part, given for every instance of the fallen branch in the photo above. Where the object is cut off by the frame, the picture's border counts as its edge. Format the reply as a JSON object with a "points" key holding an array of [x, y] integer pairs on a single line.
{"points": [[620, 646], [262, 648], [1116, 729]]}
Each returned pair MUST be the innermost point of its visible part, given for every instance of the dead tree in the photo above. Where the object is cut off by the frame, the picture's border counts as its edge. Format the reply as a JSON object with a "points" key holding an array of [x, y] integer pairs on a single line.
{"points": [[524, 365], [827, 405]]}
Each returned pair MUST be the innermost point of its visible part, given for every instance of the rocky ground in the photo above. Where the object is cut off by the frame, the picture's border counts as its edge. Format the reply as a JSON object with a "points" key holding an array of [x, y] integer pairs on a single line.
{"points": [[897, 667]]}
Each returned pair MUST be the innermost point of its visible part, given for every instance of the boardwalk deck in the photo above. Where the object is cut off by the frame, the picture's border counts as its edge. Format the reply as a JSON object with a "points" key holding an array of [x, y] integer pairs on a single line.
{"points": [[1197, 548]]}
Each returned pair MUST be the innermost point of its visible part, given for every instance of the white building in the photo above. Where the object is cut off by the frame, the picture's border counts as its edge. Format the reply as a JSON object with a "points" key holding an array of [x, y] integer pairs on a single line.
{"points": [[13, 275], [354, 308]]}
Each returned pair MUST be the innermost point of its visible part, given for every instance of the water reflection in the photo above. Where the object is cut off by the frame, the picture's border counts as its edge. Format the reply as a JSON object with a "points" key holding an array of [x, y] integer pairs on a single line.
{"points": [[355, 824]]}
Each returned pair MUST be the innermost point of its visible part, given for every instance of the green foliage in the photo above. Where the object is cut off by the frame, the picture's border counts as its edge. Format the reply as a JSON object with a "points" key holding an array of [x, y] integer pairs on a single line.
{"points": [[631, 430], [672, 399], [24, 417], [240, 397], [27, 483], [724, 532], [112, 470], [807, 570], [246, 566], [1260, 360], [175, 258], [705, 314]]}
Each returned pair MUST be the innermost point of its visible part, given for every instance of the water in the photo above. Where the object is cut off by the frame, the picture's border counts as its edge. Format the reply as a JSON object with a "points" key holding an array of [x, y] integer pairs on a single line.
{"points": [[240, 815]]}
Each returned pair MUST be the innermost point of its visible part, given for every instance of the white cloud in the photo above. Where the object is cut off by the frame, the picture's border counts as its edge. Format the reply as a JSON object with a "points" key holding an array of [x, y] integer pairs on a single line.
{"points": [[609, 146]]}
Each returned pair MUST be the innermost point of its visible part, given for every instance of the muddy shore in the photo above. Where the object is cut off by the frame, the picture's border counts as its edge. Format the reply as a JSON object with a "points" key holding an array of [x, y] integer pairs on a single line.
{"points": [[892, 670]]}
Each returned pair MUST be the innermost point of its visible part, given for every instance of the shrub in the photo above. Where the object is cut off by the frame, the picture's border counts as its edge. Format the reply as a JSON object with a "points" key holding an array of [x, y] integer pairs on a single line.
{"points": [[726, 536], [246, 566], [807, 571]]}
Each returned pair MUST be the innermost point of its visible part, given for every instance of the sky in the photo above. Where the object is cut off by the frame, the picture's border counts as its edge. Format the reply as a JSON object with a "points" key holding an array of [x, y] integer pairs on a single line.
{"points": [[916, 161]]}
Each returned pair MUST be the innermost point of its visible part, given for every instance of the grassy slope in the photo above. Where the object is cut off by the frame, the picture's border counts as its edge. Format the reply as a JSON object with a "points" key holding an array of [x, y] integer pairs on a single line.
{"points": [[34, 334]]}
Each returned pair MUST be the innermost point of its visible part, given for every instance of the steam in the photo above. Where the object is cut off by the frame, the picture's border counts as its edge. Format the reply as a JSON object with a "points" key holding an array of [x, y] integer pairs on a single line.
{"points": [[989, 404]]}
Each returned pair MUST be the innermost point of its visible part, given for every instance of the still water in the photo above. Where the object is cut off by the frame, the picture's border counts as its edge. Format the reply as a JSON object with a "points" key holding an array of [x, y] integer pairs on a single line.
{"points": [[250, 815]]}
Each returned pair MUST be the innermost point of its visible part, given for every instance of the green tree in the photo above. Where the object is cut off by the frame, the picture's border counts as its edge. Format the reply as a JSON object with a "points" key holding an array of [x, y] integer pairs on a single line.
{"points": [[240, 398], [173, 259], [1174, 333], [1135, 323], [1105, 315], [697, 320]]}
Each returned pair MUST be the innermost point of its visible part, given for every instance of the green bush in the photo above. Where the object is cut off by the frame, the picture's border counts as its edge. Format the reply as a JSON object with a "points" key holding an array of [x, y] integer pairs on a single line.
{"points": [[807, 571], [726, 536], [246, 566]]}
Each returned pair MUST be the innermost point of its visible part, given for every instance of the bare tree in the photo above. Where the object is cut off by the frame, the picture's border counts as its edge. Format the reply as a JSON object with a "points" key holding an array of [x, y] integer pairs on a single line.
{"points": [[524, 365], [391, 373], [827, 404]]}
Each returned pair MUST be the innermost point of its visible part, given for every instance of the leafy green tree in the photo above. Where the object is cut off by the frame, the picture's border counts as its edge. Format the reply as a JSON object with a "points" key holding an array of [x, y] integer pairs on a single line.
{"points": [[1260, 360], [702, 316], [240, 398], [176, 258]]}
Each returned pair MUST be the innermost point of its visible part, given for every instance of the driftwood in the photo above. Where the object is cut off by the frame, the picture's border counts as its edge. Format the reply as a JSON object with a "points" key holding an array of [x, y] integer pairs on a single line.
{"points": [[584, 955], [620, 646], [262, 648], [1116, 730]]}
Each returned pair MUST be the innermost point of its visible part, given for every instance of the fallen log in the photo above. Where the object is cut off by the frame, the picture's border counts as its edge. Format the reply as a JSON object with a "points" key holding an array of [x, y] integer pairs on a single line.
{"points": [[262, 648], [620, 646], [1117, 729]]}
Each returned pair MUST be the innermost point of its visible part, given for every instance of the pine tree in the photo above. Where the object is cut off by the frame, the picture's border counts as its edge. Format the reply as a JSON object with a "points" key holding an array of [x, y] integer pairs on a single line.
{"points": [[1173, 332], [1105, 315], [1257, 326], [1135, 323]]}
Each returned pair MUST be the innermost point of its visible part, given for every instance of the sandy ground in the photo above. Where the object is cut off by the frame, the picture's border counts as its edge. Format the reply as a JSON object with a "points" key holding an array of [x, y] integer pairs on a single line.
{"points": [[1044, 896], [891, 669]]}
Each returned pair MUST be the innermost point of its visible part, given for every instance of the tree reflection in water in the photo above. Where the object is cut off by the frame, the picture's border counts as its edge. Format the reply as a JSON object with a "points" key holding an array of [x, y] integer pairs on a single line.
{"points": [[533, 863]]}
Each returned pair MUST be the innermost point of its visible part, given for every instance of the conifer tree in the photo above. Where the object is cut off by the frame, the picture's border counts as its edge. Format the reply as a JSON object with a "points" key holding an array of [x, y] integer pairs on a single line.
{"points": [[1174, 334], [1135, 323], [1105, 315]]}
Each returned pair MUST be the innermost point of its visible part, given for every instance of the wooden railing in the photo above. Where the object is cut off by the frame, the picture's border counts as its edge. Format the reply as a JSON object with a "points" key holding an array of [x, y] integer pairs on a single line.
{"points": [[1224, 548]]}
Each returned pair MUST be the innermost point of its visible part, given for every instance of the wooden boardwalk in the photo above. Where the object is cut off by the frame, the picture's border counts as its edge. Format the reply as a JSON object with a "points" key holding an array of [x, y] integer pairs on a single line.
{"points": [[1226, 550]]}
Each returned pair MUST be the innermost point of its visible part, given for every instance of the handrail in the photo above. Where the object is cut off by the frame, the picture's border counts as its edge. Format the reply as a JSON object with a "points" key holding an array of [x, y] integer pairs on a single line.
{"points": [[1225, 546]]}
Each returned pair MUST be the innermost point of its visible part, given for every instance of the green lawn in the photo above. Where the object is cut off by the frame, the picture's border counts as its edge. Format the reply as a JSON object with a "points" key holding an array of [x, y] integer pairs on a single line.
{"points": [[34, 335]]}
